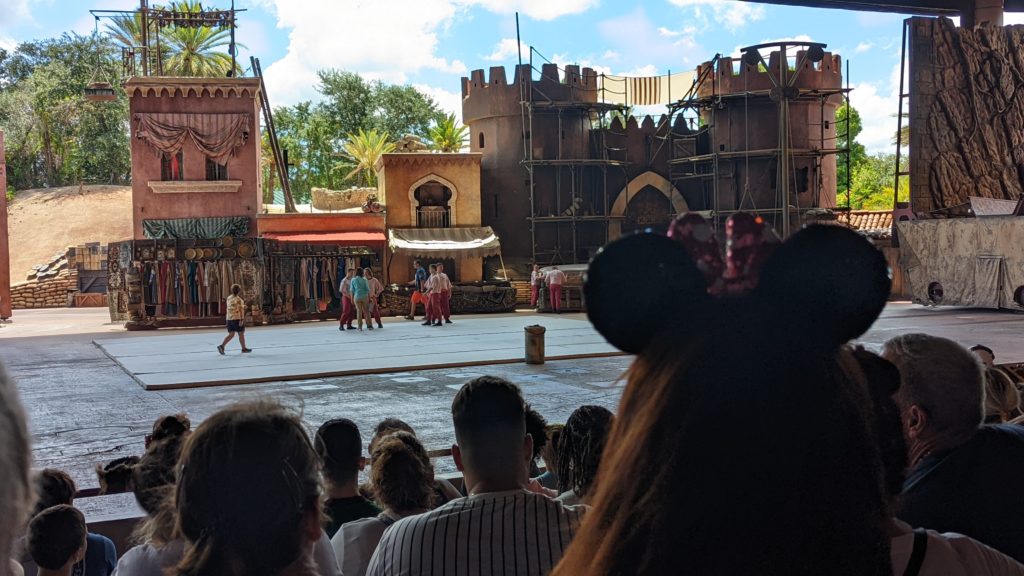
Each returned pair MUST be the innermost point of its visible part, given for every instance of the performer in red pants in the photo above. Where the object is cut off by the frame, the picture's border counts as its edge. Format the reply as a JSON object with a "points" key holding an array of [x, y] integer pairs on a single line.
{"points": [[536, 279], [555, 278], [446, 294], [376, 289], [348, 310], [432, 306]]}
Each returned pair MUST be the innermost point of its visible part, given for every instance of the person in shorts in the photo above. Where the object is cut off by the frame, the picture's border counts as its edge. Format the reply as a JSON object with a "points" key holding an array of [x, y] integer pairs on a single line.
{"points": [[236, 319]]}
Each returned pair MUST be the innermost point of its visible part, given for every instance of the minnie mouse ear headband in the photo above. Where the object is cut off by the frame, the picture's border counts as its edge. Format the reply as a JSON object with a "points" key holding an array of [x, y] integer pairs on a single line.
{"points": [[825, 280]]}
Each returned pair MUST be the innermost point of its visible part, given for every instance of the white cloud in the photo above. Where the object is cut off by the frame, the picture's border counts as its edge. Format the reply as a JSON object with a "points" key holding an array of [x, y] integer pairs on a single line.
{"points": [[732, 14], [877, 104], [863, 47], [537, 9], [1013, 18], [450, 102], [505, 50], [15, 13], [635, 38]]}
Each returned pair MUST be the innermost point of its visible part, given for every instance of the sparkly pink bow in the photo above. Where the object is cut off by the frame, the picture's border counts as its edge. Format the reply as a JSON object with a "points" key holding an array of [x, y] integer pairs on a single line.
{"points": [[748, 245]]}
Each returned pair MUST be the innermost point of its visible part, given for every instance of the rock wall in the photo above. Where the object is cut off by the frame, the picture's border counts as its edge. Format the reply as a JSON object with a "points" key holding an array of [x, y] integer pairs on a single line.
{"points": [[324, 199], [966, 115], [48, 293]]}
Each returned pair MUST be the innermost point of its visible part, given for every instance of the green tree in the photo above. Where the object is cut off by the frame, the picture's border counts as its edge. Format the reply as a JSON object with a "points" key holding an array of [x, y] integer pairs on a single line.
{"points": [[873, 181], [447, 135], [362, 150], [354, 104], [846, 137]]}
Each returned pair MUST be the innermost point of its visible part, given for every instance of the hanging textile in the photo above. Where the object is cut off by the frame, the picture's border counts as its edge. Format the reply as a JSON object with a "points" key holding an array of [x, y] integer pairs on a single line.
{"points": [[216, 135], [196, 228], [644, 90]]}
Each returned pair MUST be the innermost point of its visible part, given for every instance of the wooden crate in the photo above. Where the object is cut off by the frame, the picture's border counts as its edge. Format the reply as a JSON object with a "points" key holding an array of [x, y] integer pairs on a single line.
{"points": [[90, 300]]}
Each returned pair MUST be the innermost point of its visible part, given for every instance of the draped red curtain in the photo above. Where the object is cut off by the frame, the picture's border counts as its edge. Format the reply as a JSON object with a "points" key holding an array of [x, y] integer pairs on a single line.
{"points": [[216, 135]]}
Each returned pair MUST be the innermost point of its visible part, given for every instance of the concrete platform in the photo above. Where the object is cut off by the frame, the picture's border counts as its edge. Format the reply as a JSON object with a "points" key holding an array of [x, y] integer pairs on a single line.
{"points": [[318, 350]]}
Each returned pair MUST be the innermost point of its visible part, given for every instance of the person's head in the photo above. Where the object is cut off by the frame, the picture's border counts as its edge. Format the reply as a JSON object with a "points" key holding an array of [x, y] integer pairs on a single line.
{"points": [[733, 426], [550, 452], [340, 448], [236, 289], [985, 354], [490, 432], [582, 443], [417, 264], [942, 389], [350, 272], [385, 427], [433, 268], [1002, 399], [536, 267], [402, 475], [359, 272], [53, 487], [56, 538], [15, 455], [440, 267], [537, 428], [153, 478], [554, 267], [248, 493], [367, 273]]}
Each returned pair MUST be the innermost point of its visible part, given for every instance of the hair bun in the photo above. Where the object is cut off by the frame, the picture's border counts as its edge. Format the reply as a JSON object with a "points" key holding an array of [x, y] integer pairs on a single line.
{"points": [[637, 285], [171, 426]]}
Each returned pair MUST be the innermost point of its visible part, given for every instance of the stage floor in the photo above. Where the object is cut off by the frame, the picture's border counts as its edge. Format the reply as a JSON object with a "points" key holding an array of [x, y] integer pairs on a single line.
{"points": [[316, 350]]}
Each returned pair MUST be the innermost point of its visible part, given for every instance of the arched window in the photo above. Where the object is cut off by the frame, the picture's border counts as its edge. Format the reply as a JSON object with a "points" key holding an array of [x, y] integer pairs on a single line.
{"points": [[481, 139]]}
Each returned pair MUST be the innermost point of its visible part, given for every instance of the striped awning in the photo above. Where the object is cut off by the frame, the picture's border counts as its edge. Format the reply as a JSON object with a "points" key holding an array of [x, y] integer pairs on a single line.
{"points": [[445, 242]]}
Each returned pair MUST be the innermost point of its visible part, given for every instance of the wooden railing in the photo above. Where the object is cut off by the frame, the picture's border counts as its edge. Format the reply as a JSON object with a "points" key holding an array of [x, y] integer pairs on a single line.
{"points": [[432, 217]]}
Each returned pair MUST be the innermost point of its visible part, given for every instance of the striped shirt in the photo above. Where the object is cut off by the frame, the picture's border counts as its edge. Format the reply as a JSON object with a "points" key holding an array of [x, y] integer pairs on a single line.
{"points": [[514, 533]]}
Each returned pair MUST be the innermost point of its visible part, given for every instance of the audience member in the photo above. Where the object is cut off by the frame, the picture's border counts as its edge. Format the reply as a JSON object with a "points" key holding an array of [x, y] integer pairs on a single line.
{"points": [[153, 480], [56, 540], [917, 552], [15, 484], [53, 488], [739, 435], [340, 448], [549, 479], [1002, 399], [248, 495], [959, 470], [579, 456], [537, 428], [403, 480], [500, 524], [444, 491]]}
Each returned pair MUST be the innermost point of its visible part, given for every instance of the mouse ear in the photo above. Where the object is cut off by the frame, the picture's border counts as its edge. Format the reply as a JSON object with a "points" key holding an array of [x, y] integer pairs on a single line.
{"points": [[829, 280], [637, 285]]}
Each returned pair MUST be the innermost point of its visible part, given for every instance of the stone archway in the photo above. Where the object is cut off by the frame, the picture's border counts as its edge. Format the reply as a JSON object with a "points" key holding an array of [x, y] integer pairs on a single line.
{"points": [[414, 203], [646, 180]]}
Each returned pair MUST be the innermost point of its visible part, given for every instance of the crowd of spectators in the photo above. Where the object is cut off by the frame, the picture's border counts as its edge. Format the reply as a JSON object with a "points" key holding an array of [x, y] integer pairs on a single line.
{"points": [[730, 453]]}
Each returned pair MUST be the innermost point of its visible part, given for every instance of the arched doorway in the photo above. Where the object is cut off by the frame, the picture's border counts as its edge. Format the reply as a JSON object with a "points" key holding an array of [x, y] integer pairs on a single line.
{"points": [[649, 183], [648, 208], [432, 203]]}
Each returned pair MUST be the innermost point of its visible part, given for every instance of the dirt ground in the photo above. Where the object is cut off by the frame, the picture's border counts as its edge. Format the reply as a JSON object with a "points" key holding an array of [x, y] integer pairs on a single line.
{"points": [[46, 220]]}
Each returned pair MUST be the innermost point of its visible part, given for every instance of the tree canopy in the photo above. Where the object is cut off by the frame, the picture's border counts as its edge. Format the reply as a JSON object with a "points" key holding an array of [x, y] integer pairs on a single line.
{"points": [[872, 177]]}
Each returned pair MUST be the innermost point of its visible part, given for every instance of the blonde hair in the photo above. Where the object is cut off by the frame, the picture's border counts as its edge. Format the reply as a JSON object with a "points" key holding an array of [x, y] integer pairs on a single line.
{"points": [[1002, 400], [15, 459]]}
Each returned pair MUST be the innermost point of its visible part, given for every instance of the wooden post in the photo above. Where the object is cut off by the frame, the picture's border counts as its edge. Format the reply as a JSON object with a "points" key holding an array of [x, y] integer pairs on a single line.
{"points": [[5, 250]]}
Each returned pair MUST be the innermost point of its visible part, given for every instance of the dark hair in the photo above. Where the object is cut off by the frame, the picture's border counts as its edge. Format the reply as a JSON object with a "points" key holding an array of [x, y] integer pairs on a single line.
{"points": [[581, 444], [488, 414], [402, 475], [153, 478], [236, 289], [537, 428], [359, 272], [115, 476], [340, 448], [736, 427], [54, 535], [550, 452], [983, 348], [432, 266], [248, 479], [385, 427], [53, 487], [881, 380]]}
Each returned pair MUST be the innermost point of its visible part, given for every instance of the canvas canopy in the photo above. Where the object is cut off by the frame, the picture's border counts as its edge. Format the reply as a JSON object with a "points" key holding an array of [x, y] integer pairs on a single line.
{"points": [[445, 242]]}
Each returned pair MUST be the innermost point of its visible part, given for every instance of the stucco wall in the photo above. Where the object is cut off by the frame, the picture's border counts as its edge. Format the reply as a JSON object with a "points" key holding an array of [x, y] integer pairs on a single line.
{"points": [[215, 96], [331, 222], [400, 173]]}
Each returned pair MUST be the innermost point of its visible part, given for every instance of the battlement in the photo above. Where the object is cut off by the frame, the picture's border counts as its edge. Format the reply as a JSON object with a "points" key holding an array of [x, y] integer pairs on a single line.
{"points": [[734, 76], [493, 95]]}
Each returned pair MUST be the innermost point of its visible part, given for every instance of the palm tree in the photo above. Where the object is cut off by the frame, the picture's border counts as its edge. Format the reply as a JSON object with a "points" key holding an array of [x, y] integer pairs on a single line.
{"points": [[363, 150], [446, 135]]}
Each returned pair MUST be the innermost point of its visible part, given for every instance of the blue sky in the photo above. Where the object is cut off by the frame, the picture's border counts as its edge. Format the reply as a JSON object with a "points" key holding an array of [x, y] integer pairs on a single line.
{"points": [[431, 44]]}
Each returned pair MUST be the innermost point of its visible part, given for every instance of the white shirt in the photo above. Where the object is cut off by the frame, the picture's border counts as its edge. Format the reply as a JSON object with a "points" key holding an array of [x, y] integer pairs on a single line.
{"points": [[555, 277], [148, 560], [355, 542], [536, 277], [514, 532], [952, 554]]}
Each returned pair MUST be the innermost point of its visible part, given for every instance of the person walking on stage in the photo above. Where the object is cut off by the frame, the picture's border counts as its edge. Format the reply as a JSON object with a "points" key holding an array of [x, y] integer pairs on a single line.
{"points": [[446, 294], [360, 289], [430, 308], [536, 279], [235, 319], [554, 279], [376, 289], [419, 296], [347, 308]]}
